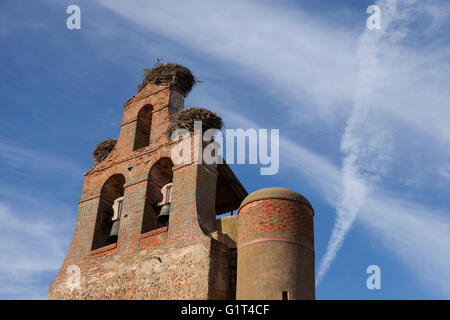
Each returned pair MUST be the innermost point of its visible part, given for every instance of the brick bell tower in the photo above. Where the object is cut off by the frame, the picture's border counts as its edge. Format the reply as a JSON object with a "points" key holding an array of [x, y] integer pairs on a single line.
{"points": [[147, 227], [122, 247]]}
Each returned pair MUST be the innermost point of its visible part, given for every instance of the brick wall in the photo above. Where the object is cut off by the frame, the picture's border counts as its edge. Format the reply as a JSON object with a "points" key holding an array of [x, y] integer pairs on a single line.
{"points": [[275, 250], [277, 217]]}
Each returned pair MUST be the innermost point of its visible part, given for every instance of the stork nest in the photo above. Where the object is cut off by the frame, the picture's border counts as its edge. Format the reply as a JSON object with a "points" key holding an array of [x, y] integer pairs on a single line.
{"points": [[103, 149], [185, 118], [178, 76]]}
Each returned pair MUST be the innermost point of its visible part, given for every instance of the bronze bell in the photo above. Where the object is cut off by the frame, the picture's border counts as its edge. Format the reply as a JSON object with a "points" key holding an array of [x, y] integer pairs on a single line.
{"points": [[114, 232], [163, 217]]}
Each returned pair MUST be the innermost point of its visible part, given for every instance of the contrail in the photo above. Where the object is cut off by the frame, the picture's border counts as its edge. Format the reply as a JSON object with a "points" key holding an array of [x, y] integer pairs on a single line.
{"points": [[363, 140]]}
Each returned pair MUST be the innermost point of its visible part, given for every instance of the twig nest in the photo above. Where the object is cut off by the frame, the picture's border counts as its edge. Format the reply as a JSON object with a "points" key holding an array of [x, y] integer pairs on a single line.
{"points": [[103, 149], [185, 119], [178, 76]]}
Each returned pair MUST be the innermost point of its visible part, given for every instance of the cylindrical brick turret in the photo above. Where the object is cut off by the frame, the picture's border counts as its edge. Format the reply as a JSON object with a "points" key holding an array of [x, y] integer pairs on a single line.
{"points": [[275, 246]]}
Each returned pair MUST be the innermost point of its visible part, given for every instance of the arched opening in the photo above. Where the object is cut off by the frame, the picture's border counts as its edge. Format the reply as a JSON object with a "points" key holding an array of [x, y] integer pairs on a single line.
{"points": [[109, 212], [143, 127], [159, 187]]}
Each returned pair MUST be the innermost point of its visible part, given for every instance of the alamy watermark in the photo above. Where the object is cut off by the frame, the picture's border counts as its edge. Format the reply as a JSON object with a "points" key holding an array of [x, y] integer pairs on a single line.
{"points": [[206, 147], [74, 19], [374, 280], [74, 280], [374, 20]]}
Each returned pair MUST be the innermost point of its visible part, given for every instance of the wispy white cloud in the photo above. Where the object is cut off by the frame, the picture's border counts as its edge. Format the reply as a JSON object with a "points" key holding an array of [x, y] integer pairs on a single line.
{"points": [[17, 157], [367, 142], [363, 142], [302, 58], [417, 234], [32, 245], [36, 228]]}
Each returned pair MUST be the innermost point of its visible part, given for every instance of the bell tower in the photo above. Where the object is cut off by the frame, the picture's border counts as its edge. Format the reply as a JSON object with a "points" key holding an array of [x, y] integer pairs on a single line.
{"points": [[147, 224], [146, 227]]}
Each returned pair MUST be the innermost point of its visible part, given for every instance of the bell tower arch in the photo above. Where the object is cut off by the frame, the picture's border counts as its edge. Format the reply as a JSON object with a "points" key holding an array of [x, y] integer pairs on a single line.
{"points": [[110, 192]]}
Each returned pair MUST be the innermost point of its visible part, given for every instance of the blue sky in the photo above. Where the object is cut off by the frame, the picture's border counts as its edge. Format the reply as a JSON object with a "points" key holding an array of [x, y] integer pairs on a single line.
{"points": [[363, 118]]}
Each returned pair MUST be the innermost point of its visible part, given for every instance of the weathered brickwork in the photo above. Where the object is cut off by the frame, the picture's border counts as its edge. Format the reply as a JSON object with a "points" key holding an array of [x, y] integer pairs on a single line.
{"points": [[277, 217], [152, 274], [153, 238], [104, 251]]}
